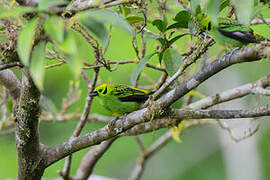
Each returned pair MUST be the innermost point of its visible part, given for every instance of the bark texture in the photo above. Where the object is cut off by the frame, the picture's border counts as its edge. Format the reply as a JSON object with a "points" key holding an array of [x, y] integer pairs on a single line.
{"points": [[30, 163]]}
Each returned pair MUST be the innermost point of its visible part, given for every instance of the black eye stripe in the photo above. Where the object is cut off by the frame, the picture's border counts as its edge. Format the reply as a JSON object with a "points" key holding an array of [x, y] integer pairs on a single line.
{"points": [[209, 26], [105, 91]]}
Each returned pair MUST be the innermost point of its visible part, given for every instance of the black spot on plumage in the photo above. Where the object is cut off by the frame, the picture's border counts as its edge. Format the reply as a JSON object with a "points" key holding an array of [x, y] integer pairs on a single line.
{"points": [[118, 93], [105, 91], [209, 26], [134, 98]]}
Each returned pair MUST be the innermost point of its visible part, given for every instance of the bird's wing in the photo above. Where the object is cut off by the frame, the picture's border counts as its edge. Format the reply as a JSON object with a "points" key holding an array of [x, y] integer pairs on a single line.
{"points": [[238, 32], [130, 94]]}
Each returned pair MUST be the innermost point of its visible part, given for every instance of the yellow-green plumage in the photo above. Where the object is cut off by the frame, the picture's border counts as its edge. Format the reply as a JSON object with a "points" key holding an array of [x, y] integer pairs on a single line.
{"points": [[120, 99], [230, 33]]}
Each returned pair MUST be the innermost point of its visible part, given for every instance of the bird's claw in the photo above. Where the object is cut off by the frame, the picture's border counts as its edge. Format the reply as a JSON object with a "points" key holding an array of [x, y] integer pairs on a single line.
{"points": [[112, 124]]}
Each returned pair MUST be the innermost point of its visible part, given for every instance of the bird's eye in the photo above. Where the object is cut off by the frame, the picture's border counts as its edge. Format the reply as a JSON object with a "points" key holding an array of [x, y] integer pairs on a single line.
{"points": [[105, 91], [100, 90]]}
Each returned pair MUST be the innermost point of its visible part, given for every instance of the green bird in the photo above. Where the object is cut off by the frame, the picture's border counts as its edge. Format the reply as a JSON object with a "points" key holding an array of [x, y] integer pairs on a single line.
{"points": [[120, 99], [230, 33]]}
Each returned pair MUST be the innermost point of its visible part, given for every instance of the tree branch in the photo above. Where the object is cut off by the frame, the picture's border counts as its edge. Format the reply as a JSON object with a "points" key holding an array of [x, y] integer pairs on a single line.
{"points": [[259, 21], [146, 154], [30, 163], [90, 159], [11, 83], [157, 109], [178, 114], [246, 54], [230, 94], [87, 107], [200, 49], [10, 65], [32, 3], [90, 4]]}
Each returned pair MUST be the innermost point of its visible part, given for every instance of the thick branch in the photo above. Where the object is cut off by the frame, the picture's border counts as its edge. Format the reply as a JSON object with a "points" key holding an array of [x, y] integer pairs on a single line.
{"points": [[221, 114], [30, 163], [179, 114], [245, 55], [231, 94], [11, 83]]}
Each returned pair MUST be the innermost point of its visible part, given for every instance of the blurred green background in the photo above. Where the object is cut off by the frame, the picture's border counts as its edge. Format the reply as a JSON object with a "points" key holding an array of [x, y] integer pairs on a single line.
{"points": [[200, 156]]}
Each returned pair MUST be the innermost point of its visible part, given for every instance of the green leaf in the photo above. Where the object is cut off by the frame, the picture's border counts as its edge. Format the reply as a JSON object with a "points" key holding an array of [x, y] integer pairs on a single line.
{"points": [[98, 29], [139, 68], [176, 38], [172, 61], [224, 4], [161, 55], [16, 12], [75, 65], [182, 16], [45, 4], [134, 19], [195, 7], [161, 24], [37, 70], [244, 10], [212, 11], [71, 51], [107, 16], [54, 26], [165, 22], [178, 25], [124, 10], [69, 45], [25, 41]]}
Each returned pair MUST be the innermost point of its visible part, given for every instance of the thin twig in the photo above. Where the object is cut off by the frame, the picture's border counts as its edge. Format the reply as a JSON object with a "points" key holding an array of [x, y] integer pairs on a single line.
{"points": [[187, 62], [10, 65], [65, 172], [9, 131], [147, 153], [185, 7], [90, 160]]}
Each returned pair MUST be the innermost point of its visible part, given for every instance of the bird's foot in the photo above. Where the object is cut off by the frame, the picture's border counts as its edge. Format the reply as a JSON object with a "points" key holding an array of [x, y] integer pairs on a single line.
{"points": [[112, 124], [229, 54]]}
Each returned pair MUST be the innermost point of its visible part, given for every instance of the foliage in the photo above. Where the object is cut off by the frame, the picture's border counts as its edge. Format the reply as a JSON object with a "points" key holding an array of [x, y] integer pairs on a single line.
{"points": [[156, 45]]}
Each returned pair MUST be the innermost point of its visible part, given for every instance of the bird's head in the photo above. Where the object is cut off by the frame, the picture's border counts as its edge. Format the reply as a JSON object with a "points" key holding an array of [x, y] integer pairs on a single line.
{"points": [[102, 90]]}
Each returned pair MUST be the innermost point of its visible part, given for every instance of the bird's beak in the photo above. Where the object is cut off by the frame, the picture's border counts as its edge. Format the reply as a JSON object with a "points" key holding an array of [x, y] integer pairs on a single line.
{"points": [[93, 94]]}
